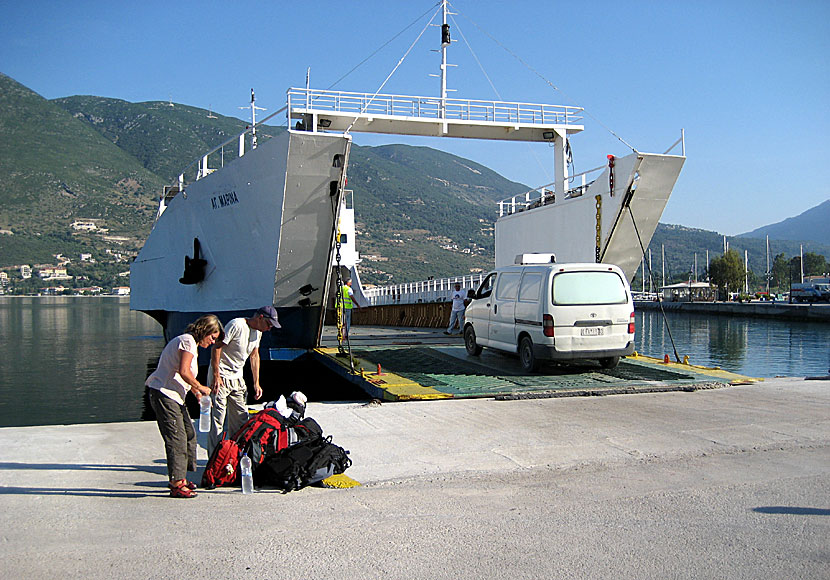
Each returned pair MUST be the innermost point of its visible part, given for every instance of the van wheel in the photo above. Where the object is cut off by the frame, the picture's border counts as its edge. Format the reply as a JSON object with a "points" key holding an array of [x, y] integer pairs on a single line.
{"points": [[470, 341], [609, 362], [529, 362]]}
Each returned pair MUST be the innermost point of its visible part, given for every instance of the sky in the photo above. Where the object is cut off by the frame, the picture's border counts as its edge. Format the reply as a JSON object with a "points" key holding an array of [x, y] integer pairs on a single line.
{"points": [[748, 82]]}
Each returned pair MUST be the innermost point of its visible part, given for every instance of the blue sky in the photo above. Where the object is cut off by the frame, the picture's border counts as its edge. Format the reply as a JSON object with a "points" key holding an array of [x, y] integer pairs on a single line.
{"points": [[748, 81]]}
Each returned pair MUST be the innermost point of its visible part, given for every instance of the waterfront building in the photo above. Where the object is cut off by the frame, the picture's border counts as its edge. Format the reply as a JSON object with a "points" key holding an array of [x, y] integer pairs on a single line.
{"points": [[691, 291]]}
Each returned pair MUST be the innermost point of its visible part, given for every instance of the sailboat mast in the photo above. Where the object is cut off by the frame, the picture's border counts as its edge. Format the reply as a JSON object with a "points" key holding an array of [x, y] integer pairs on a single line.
{"points": [[768, 272]]}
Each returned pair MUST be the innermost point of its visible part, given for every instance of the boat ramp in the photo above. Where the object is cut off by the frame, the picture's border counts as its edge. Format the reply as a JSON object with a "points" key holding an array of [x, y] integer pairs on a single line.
{"points": [[415, 363]]}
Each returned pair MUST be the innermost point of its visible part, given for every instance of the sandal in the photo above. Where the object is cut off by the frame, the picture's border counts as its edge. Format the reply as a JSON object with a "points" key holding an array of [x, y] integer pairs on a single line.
{"points": [[187, 484], [182, 491]]}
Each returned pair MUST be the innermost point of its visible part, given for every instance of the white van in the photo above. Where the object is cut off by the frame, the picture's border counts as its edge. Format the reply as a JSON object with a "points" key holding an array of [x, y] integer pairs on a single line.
{"points": [[547, 311]]}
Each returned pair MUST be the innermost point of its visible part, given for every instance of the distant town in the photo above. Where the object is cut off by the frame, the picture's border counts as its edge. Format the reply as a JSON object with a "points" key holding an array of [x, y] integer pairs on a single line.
{"points": [[104, 272]]}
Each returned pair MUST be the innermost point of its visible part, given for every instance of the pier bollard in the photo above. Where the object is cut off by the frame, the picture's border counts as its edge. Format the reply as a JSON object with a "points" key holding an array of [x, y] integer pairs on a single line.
{"points": [[665, 359], [379, 373]]}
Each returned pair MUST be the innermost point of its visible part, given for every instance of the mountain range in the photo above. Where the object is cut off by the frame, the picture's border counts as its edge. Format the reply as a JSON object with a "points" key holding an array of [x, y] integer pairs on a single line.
{"points": [[420, 212]]}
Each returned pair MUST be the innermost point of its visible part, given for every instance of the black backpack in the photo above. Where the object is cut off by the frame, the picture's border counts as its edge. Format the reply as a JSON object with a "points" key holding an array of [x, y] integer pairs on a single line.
{"points": [[310, 459]]}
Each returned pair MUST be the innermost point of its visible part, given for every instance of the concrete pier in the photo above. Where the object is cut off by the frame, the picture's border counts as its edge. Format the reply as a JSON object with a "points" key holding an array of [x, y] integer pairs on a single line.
{"points": [[819, 312], [730, 483]]}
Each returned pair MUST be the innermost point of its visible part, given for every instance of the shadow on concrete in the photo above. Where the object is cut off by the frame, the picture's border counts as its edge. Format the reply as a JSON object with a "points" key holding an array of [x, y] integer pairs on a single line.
{"points": [[792, 510], [81, 492], [158, 470]]}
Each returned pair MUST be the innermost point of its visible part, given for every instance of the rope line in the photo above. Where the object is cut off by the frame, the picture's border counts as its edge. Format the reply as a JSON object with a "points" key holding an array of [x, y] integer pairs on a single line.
{"points": [[548, 82], [495, 90], [651, 279], [380, 88], [384, 45]]}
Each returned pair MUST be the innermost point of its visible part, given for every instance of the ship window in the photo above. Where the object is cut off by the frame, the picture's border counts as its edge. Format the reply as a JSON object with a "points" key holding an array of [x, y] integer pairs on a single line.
{"points": [[338, 160], [344, 238], [333, 188]]}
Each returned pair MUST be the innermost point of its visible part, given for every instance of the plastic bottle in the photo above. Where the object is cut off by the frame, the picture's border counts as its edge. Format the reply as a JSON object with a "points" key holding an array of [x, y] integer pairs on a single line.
{"points": [[204, 413], [247, 476]]}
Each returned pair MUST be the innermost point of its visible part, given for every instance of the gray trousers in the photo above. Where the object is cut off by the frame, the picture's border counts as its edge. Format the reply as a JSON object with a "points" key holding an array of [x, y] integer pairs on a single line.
{"points": [[456, 316], [176, 429], [230, 402]]}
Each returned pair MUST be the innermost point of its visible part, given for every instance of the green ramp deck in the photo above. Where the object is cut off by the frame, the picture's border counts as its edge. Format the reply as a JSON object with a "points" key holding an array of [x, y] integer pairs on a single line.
{"points": [[411, 372]]}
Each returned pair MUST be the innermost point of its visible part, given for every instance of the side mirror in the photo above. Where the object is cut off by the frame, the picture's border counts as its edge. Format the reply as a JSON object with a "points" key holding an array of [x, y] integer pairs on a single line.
{"points": [[471, 294]]}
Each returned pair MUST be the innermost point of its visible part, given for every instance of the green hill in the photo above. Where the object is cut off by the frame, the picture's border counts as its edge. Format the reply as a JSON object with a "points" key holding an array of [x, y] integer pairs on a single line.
{"points": [[54, 168], [165, 137], [420, 212]]}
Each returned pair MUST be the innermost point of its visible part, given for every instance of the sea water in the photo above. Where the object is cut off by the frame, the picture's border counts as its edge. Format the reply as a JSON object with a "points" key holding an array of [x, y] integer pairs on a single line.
{"points": [[84, 359]]}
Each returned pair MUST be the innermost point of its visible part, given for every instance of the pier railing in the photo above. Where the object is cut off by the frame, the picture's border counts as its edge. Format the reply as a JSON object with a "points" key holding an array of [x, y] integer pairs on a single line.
{"points": [[435, 290]]}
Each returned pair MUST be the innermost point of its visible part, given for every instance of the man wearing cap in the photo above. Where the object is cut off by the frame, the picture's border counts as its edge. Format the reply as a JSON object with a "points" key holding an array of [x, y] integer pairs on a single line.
{"points": [[227, 360]]}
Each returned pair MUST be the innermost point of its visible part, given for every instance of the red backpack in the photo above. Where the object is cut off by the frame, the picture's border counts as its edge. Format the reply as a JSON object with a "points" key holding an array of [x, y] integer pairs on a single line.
{"points": [[221, 468], [265, 430]]}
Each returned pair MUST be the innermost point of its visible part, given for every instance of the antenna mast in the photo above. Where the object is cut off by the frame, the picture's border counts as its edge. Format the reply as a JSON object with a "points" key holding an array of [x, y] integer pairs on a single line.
{"points": [[445, 42], [254, 109]]}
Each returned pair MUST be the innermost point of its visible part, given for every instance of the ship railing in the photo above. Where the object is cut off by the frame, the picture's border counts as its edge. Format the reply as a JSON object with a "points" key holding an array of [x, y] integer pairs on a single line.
{"points": [[546, 194], [368, 104], [430, 290], [200, 165]]}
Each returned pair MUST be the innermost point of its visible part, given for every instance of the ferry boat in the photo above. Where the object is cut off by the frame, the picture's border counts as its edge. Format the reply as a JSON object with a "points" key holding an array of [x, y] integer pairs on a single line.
{"points": [[263, 229]]}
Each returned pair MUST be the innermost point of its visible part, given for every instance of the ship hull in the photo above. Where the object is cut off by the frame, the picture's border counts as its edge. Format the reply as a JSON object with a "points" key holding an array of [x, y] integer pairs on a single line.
{"points": [[601, 225], [265, 225]]}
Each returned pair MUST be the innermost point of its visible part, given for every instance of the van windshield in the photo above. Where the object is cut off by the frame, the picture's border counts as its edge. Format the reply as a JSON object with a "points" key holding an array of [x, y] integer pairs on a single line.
{"points": [[580, 288]]}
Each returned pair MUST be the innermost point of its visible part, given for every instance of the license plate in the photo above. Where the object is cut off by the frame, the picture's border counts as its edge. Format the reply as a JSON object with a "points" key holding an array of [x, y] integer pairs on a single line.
{"points": [[592, 331]]}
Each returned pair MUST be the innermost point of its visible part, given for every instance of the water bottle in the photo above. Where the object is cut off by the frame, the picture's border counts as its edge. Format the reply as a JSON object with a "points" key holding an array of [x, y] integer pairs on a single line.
{"points": [[204, 413], [247, 476]]}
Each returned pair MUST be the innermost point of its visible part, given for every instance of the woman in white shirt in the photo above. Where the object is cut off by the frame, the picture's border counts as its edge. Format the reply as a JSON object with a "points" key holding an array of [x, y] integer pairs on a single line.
{"points": [[168, 386]]}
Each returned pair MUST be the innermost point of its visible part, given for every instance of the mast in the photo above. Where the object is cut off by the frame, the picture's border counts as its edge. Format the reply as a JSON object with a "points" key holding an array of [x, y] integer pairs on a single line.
{"points": [[253, 124], [768, 272], [445, 43]]}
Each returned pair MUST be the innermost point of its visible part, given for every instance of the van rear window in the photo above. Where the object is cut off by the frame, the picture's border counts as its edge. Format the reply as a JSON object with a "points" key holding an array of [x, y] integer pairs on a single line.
{"points": [[580, 288]]}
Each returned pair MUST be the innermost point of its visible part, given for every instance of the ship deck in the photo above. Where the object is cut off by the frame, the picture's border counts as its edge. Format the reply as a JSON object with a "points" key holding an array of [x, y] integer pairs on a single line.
{"points": [[399, 364]]}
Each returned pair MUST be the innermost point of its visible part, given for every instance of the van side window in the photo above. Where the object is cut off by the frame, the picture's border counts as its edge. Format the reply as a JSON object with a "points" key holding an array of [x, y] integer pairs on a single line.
{"points": [[486, 287], [508, 286], [531, 284]]}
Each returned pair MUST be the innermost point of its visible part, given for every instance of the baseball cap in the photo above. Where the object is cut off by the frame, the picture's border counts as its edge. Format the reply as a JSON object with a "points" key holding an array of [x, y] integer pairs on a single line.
{"points": [[270, 314]]}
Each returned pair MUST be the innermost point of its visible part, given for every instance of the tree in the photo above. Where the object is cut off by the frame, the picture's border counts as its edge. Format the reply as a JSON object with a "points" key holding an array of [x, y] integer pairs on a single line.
{"points": [[780, 272], [814, 264], [727, 271]]}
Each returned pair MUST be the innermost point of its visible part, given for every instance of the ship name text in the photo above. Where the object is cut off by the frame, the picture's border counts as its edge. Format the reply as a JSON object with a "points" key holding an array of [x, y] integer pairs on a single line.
{"points": [[224, 200]]}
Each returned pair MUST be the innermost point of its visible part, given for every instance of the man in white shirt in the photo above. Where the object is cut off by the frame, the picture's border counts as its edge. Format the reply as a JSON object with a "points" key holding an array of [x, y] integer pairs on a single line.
{"points": [[458, 297], [227, 361]]}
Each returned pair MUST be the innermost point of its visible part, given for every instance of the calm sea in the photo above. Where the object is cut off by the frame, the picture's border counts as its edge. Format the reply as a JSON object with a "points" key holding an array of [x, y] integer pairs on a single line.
{"points": [[84, 360]]}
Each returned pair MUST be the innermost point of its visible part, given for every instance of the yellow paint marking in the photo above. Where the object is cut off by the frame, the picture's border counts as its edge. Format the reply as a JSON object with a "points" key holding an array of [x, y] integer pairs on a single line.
{"points": [[717, 372]]}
